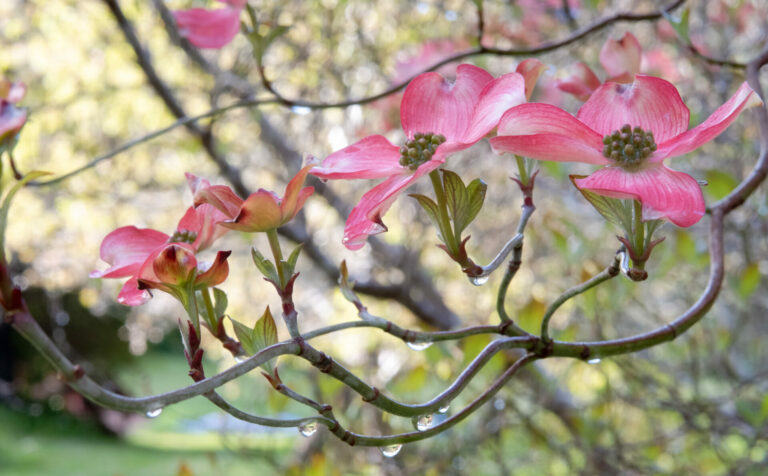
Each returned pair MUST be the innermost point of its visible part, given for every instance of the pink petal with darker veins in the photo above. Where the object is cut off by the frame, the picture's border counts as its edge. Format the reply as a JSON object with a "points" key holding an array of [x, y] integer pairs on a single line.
{"points": [[716, 123], [433, 104], [546, 132], [495, 99], [126, 248], [372, 157], [131, 295], [664, 193], [365, 218], [651, 103]]}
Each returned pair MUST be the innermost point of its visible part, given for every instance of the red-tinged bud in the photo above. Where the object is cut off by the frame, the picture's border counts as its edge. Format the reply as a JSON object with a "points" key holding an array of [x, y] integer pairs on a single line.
{"points": [[174, 265]]}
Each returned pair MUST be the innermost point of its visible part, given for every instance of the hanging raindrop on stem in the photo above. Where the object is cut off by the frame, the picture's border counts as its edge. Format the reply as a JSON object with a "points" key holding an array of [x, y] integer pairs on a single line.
{"points": [[154, 413], [423, 422], [241, 358], [391, 450], [419, 345], [593, 361], [444, 409], [478, 280], [308, 429]]}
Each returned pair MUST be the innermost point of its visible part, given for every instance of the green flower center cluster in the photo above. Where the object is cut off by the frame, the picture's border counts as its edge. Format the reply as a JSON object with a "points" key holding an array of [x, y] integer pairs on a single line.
{"points": [[629, 147], [183, 236], [420, 149]]}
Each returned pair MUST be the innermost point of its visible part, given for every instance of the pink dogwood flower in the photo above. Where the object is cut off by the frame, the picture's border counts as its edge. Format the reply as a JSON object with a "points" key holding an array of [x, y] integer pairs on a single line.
{"points": [[171, 267], [622, 60], [262, 210], [206, 28], [439, 118], [12, 118], [131, 251], [630, 129]]}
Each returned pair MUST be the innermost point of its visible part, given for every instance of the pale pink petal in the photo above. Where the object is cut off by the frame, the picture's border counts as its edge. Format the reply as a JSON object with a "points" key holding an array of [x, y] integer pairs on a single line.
{"points": [[433, 104], [663, 192], [546, 132], [126, 248], [581, 84], [260, 212], [495, 99], [131, 295], [372, 157], [716, 123], [208, 28], [219, 196], [651, 103], [531, 69], [304, 194], [203, 221], [366, 217], [289, 205], [12, 92], [621, 58]]}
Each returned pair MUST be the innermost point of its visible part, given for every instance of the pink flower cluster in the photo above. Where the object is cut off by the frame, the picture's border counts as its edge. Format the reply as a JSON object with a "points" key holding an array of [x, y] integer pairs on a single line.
{"points": [[154, 260]]}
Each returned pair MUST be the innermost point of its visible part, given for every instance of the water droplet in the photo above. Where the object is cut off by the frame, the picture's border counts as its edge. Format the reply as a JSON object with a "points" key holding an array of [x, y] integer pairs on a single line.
{"points": [[154, 413], [593, 361], [478, 280], [703, 183], [240, 358], [419, 345], [444, 409], [308, 429], [499, 404], [391, 451], [423, 422]]}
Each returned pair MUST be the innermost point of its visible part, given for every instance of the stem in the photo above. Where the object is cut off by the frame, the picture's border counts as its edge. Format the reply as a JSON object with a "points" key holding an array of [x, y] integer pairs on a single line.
{"points": [[604, 275], [445, 222], [639, 229], [209, 310], [274, 244], [522, 170]]}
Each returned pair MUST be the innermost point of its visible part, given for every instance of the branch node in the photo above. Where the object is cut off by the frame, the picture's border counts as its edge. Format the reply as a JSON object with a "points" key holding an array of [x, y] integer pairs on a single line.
{"points": [[375, 395]]}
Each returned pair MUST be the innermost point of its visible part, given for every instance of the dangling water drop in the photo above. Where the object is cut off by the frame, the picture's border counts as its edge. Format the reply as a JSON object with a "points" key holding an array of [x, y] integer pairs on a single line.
{"points": [[308, 429], [154, 413], [423, 422], [419, 345], [240, 358], [593, 361], [391, 451], [444, 410], [479, 280]]}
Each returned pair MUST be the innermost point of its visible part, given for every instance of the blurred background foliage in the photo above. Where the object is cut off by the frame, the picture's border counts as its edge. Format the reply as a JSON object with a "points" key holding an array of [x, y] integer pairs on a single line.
{"points": [[698, 405]]}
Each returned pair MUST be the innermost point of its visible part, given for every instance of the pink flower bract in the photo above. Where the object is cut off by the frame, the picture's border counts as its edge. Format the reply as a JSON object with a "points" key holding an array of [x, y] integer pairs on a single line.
{"points": [[131, 251], [210, 28], [463, 112], [12, 118], [262, 210], [545, 132]]}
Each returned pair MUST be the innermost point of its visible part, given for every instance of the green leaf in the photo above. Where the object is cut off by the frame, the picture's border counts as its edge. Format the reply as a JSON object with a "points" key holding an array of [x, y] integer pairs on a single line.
{"points": [[290, 264], [614, 210], [7, 203], [264, 334], [220, 303], [346, 285], [476, 193], [455, 194], [429, 206], [244, 335], [265, 266]]}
